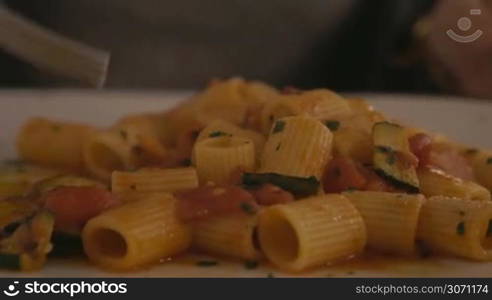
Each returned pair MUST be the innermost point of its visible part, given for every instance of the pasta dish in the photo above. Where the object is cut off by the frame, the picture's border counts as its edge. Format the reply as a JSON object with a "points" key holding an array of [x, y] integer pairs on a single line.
{"points": [[241, 170]]}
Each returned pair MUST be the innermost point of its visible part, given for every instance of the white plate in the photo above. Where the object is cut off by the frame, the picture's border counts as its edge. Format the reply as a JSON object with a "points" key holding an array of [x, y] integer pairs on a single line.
{"points": [[463, 119]]}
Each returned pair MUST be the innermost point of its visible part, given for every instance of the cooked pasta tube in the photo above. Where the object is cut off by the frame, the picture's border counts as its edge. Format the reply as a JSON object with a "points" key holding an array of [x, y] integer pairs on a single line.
{"points": [[230, 235], [216, 158], [110, 150], [221, 100], [321, 104], [53, 143], [391, 219], [434, 182], [297, 146], [224, 128], [311, 232], [457, 226], [129, 186], [481, 162], [356, 144], [136, 233]]}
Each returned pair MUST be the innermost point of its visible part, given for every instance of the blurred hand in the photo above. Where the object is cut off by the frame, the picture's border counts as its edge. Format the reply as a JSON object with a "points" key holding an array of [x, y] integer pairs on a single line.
{"points": [[470, 63]]}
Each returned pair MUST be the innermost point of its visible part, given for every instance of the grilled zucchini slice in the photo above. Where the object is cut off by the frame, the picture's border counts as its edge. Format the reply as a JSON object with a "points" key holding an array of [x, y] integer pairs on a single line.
{"points": [[392, 156]]}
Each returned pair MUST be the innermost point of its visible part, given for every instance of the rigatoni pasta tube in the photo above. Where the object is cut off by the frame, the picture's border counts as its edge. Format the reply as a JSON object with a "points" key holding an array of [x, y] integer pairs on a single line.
{"points": [[229, 235], [130, 186], [458, 227], [311, 232], [482, 167], [391, 219], [224, 128], [434, 182], [136, 233], [297, 146], [110, 150], [52, 143], [216, 158], [320, 104]]}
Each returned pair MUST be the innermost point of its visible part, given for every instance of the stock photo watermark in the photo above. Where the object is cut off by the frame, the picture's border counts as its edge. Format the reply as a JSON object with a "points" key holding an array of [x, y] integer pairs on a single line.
{"points": [[70, 289], [465, 24]]}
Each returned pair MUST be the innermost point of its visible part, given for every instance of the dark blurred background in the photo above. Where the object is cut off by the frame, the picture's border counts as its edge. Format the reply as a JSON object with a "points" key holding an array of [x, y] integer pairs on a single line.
{"points": [[348, 45]]}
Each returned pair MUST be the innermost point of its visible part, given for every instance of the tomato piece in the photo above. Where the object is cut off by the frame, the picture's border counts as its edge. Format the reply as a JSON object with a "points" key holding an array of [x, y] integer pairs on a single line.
{"points": [[74, 206], [450, 161], [269, 194], [342, 174], [420, 145], [207, 201]]}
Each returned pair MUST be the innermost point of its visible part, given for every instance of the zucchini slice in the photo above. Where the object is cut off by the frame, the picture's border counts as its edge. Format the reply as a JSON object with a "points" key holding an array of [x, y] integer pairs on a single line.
{"points": [[66, 245], [26, 249], [391, 156], [299, 186]]}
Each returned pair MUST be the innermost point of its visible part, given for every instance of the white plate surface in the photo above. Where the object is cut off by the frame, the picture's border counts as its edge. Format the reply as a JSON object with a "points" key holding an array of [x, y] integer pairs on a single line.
{"points": [[465, 120]]}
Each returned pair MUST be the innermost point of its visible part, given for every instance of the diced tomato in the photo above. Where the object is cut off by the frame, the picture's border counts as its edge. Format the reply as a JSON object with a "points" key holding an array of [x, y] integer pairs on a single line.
{"points": [[377, 184], [269, 194], [209, 201], [74, 206], [450, 161], [420, 145], [343, 174], [440, 156]]}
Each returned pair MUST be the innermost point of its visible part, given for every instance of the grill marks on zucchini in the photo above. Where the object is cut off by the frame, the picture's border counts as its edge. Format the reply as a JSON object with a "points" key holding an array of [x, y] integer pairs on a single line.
{"points": [[391, 149], [300, 187]]}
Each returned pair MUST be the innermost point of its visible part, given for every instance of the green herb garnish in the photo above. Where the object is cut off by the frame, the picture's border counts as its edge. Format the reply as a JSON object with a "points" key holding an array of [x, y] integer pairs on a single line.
{"points": [[251, 264], [333, 125], [207, 263], [351, 189], [217, 134], [248, 208], [279, 126], [391, 159], [460, 229], [384, 149]]}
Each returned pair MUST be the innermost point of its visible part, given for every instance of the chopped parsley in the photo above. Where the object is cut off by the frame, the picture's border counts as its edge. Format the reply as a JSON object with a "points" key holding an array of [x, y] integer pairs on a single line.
{"points": [[384, 149], [251, 264], [248, 208], [391, 159], [207, 263], [279, 126], [460, 229], [489, 161], [124, 134], [333, 125], [489, 229], [217, 134]]}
